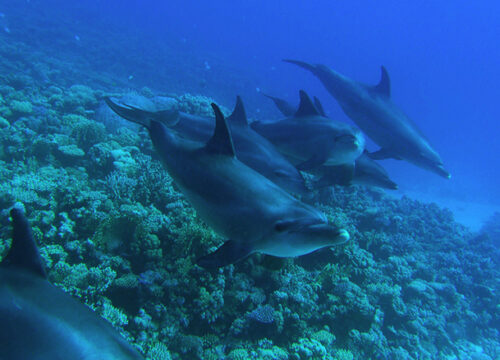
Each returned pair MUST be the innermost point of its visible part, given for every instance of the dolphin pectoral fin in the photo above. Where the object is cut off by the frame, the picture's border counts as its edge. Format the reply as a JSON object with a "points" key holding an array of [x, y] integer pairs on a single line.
{"points": [[336, 175], [322, 182], [230, 252], [167, 117], [315, 161], [383, 154]]}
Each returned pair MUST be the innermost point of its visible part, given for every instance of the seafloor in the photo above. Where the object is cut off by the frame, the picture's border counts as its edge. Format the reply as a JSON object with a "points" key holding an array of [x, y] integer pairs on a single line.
{"points": [[115, 232]]}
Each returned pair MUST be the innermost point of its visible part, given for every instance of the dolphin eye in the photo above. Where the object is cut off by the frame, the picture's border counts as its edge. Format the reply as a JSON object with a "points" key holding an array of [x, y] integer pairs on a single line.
{"points": [[281, 226]]}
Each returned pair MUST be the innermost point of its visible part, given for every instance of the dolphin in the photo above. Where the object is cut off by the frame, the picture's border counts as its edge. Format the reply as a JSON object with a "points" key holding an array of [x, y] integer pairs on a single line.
{"points": [[372, 109], [312, 140], [40, 321], [366, 171], [251, 148], [251, 211]]}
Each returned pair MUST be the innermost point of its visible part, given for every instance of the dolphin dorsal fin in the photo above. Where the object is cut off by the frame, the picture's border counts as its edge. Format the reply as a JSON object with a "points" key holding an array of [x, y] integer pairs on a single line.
{"points": [[306, 106], [384, 85], [319, 106], [23, 253], [221, 141], [239, 115]]}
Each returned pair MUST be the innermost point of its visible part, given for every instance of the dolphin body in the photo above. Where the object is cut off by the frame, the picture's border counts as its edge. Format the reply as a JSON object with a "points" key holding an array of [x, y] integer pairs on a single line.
{"points": [[40, 321], [251, 148], [255, 214], [312, 140], [372, 109], [367, 172]]}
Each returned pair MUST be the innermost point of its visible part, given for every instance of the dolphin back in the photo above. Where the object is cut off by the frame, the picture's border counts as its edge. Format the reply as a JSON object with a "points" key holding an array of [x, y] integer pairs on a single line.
{"points": [[40, 321]]}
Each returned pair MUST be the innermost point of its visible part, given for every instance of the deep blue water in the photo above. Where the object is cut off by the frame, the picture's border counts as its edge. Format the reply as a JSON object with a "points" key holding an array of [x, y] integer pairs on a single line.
{"points": [[442, 58]]}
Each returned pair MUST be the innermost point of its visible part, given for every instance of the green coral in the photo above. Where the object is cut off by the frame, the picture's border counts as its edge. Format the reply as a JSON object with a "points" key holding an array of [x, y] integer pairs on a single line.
{"points": [[71, 152], [4, 122], [124, 161], [128, 281], [210, 303], [19, 108], [87, 133], [159, 351], [342, 354], [308, 349], [78, 98], [114, 230], [274, 353], [238, 354], [195, 104], [114, 315], [324, 337]]}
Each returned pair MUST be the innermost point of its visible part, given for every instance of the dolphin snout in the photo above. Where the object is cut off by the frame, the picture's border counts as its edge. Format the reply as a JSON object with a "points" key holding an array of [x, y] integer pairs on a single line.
{"points": [[343, 236], [350, 141], [391, 185], [330, 235], [347, 140], [440, 170]]}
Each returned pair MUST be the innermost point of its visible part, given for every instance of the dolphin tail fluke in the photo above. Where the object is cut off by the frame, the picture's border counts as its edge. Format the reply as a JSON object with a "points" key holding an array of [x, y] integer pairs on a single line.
{"points": [[302, 64], [383, 154], [336, 175], [23, 253], [230, 252]]}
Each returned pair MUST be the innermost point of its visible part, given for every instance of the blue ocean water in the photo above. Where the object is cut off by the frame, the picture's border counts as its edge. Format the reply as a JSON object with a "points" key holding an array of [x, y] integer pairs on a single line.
{"points": [[442, 59]]}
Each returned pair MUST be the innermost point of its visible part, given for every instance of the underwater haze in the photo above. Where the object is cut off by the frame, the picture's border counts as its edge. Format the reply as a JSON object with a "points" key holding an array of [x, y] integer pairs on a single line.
{"points": [[442, 60], [419, 278]]}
